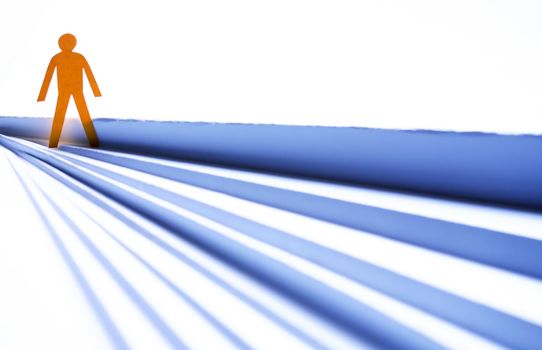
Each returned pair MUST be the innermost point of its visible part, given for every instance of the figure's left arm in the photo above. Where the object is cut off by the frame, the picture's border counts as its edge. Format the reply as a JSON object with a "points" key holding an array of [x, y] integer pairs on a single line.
{"points": [[91, 79]]}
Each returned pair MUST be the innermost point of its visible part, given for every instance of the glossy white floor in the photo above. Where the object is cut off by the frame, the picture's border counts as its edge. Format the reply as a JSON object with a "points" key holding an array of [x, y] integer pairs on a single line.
{"points": [[82, 270]]}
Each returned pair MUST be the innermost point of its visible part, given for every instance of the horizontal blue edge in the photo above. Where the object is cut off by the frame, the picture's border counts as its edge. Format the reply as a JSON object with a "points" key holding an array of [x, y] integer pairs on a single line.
{"points": [[500, 169]]}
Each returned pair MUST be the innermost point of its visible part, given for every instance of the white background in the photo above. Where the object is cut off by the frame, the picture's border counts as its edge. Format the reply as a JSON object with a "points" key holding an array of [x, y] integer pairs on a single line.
{"points": [[462, 65]]}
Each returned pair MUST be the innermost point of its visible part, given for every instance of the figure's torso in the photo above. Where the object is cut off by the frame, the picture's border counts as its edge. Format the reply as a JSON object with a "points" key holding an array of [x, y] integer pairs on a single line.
{"points": [[69, 70]]}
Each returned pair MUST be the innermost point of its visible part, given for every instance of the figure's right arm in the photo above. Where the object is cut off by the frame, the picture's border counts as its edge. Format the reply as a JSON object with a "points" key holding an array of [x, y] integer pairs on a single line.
{"points": [[47, 80]]}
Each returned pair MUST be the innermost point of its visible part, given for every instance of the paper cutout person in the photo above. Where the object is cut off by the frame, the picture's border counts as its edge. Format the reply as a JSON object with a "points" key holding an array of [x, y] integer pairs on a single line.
{"points": [[69, 70]]}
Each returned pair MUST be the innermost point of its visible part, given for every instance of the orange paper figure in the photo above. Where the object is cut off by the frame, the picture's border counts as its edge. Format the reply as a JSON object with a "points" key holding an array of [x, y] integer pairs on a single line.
{"points": [[69, 70]]}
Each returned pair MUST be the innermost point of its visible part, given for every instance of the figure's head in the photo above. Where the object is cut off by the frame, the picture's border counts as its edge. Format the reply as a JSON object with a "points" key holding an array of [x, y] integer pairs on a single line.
{"points": [[67, 42]]}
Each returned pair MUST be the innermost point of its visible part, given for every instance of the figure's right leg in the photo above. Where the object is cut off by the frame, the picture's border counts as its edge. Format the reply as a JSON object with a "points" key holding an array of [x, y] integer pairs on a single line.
{"points": [[88, 126], [58, 120]]}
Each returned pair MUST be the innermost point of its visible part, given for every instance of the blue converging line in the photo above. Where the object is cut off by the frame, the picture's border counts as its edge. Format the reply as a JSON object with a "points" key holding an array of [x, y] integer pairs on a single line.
{"points": [[169, 253]]}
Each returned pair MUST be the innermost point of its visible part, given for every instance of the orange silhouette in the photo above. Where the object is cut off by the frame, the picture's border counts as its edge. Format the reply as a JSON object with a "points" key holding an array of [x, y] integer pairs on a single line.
{"points": [[69, 70]]}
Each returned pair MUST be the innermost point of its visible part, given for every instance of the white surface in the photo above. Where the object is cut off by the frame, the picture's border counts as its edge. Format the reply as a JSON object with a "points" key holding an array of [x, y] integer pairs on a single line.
{"points": [[41, 304], [242, 319]]}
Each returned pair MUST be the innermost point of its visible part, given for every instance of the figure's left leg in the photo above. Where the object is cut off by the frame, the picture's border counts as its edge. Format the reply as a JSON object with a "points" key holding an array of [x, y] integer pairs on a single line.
{"points": [[58, 119], [85, 119]]}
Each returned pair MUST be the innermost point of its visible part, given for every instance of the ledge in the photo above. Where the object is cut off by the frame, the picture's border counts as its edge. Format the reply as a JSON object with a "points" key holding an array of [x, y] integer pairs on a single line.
{"points": [[503, 169]]}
